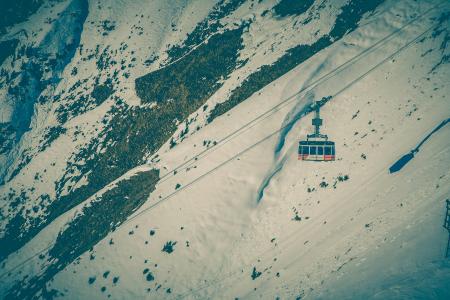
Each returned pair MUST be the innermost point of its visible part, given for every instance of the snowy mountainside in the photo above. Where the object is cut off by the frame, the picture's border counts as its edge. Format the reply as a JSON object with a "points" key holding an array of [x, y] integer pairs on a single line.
{"points": [[131, 167]]}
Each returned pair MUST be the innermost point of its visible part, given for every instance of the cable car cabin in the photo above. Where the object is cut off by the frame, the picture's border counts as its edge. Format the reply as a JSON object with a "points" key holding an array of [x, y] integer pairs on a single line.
{"points": [[316, 150], [317, 147]]}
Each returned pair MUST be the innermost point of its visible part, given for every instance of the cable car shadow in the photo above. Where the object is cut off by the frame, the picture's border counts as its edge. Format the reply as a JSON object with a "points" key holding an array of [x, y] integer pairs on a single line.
{"points": [[399, 164]]}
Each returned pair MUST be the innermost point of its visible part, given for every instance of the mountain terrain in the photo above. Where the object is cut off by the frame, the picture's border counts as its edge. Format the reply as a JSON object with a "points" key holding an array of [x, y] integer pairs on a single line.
{"points": [[148, 149]]}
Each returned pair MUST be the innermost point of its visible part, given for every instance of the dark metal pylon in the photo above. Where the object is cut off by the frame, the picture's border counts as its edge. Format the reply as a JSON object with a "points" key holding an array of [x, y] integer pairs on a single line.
{"points": [[447, 226], [317, 122]]}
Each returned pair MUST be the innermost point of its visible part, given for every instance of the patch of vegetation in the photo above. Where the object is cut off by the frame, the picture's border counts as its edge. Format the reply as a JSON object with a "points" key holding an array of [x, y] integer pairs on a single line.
{"points": [[50, 136], [267, 74], [286, 8], [204, 29], [346, 22], [151, 60], [351, 13], [101, 92], [104, 60], [255, 274], [442, 29], [25, 159], [296, 215], [17, 11], [168, 247], [104, 214], [184, 86], [343, 178], [143, 136], [340, 178], [149, 276], [74, 103], [6, 137], [107, 26], [13, 230], [25, 93]]}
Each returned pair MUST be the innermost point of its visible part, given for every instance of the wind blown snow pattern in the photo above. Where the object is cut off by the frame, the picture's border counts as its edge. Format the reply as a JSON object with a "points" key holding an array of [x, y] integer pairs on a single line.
{"points": [[301, 108], [149, 149]]}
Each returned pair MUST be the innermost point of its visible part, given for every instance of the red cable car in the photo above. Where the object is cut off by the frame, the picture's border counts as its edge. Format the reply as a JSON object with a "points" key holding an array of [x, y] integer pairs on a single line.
{"points": [[317, 147]]}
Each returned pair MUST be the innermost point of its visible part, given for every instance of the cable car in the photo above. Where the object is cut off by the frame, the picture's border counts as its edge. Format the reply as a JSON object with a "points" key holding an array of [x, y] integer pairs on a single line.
{"points": [[317, 147]]}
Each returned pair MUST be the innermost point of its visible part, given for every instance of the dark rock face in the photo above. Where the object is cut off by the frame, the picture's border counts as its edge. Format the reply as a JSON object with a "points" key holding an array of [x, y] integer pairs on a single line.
{"points": [[42, 69]]}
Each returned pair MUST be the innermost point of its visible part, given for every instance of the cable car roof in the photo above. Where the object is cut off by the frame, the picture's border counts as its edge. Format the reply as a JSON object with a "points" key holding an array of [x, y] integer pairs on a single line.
{"points": [[316, 143]]}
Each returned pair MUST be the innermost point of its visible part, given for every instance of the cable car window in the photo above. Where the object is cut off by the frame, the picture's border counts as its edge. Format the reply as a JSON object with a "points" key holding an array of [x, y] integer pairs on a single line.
{"points": [[327, 150], [332, 150], [305, 150], [313, 150], [320, 150]]}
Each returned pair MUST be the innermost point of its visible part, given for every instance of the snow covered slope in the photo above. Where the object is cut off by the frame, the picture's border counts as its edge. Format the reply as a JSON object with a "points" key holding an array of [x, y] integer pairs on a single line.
{"points": [[149, 150]]}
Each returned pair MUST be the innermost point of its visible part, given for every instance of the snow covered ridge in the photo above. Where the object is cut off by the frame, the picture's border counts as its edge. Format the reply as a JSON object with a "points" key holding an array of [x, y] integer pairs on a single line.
{"points": [[144, 80]]}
